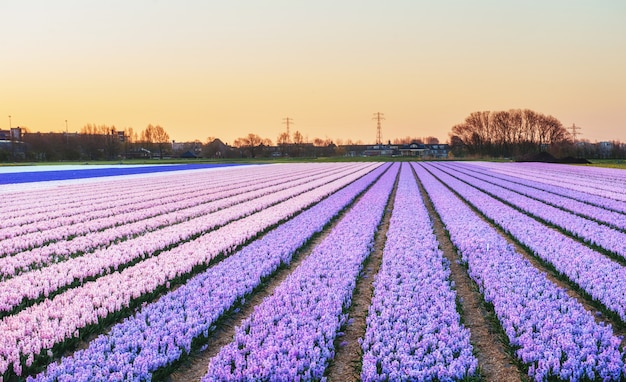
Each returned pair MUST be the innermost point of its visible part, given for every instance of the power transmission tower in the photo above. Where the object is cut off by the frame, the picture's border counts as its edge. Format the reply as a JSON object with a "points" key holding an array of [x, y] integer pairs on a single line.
{"points": [[575, 129], [379, 132], [287, 121]]}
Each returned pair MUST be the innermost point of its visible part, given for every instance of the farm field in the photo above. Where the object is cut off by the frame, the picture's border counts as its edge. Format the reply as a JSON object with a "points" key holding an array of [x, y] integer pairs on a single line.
{"points": [[340, 271]]}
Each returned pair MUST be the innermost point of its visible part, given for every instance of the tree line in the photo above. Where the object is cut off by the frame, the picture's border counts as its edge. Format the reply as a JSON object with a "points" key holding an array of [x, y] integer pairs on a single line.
{"points": [[505, 134], [508, 133], [93, 142]]}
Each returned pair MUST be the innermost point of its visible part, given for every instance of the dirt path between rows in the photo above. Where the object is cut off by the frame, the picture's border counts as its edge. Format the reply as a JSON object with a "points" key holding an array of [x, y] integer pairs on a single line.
{"points": [[570, 288], [494, 362], [593, 307], [346, 366], [194, 367]]}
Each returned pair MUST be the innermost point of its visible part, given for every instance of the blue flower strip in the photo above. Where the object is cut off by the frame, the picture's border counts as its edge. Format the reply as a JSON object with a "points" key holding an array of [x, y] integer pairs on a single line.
{"points": [[161, 332]]}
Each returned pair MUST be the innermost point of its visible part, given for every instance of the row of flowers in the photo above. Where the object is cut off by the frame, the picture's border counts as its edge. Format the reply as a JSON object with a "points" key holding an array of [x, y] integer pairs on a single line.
{"points": [[71, 191], [413, 329], [52, 211], [587, 230], [598, 276], [79, 202], [55, 229], [31, 331], [45, 281], [66, 200], [557, 188], [161, 332], [529, 189], [290, 335], [596, 181], [551, 333], [142, 222]]}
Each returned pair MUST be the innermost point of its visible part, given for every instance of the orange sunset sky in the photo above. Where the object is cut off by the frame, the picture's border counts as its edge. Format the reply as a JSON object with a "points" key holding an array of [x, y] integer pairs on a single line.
{"points": [[226, 68]]}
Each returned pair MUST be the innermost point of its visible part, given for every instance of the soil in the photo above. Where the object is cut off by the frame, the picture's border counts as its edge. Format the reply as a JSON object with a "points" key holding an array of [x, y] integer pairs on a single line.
{"points": [[346, 365], [619, 329], [494, 362], [537, 157], [195, 366]]}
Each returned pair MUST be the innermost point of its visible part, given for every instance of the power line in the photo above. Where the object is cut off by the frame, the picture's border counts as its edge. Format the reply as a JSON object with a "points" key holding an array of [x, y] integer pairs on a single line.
{"points": [[575, 129], [287, 121], [379, 133]]}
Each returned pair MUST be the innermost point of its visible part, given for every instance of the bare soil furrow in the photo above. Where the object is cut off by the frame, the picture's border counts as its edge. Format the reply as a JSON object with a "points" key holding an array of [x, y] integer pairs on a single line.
{"points": [[493, 360], [194, 367], [346, 366]]}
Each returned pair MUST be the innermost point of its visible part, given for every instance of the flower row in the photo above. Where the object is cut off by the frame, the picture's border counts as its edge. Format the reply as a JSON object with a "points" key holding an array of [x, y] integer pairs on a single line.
{"points": [[45, 281], [528, 188], [587, 230], [552, 334], [64, 200], [142, 223], [556, 188], [413, 329], [594, 181], [42, 326], [600, 277], [290, 335], [55, 229], [85, 190], [162, 331]]}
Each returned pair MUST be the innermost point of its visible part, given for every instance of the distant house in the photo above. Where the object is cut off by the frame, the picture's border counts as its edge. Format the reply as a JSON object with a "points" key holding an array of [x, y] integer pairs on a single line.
{"points": [[11, 145], [380, 150], [439, 151], [139, 153], [418, 150], [14, 134], [188, 155], [413, 150]]}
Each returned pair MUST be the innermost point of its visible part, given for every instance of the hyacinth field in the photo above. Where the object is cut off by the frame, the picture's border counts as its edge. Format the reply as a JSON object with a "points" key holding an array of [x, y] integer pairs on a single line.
{"points": [[139, 274]]}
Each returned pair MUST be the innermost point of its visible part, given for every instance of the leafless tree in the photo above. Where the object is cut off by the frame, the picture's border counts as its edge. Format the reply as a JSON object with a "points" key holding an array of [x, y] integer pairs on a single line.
{"points": [[157, 136], [251, 143], [508, 133], [431, 140], [99, 141]]}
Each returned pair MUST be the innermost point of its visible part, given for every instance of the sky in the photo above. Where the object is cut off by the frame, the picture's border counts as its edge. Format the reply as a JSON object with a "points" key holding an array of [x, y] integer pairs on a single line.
{"points": [[224, 69]]}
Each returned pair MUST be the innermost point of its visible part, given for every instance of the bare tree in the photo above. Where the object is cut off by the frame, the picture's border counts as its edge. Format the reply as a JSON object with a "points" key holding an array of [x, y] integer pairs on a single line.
{"points": [[251, 143], [298, 138], [283, 138], [156, 135], [507, 133], [99, 141], [322, 142], [431, 140], [407, 140], [500, 132]]}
